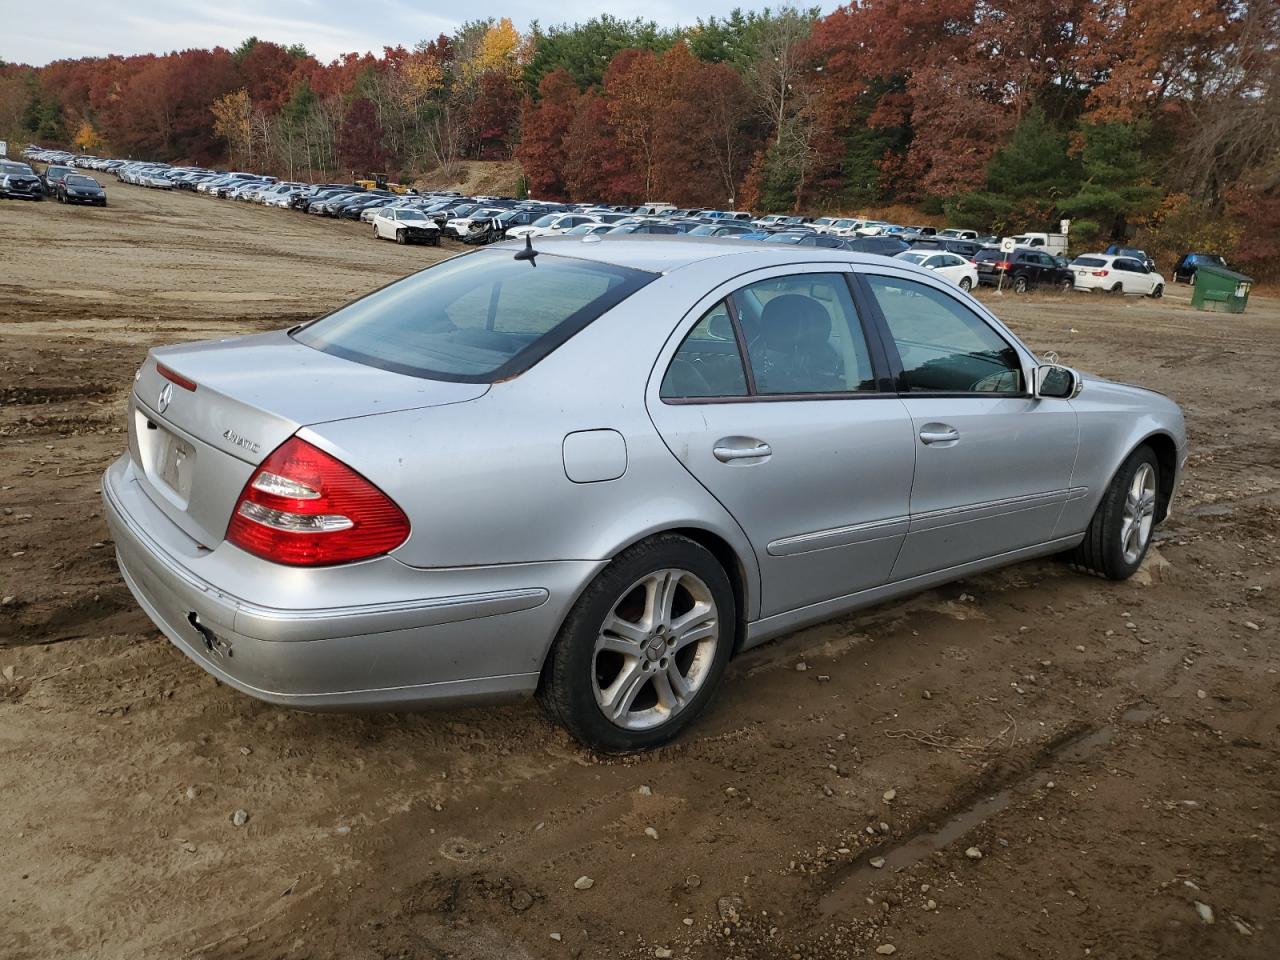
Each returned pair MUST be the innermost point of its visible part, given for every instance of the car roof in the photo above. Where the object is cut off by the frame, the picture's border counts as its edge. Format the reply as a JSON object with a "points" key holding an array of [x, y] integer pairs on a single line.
{"points": [[663, 253]]}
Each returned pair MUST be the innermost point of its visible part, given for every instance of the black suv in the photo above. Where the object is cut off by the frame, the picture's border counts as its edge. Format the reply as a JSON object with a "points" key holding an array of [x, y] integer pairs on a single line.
{"points": [[1022, 269]]}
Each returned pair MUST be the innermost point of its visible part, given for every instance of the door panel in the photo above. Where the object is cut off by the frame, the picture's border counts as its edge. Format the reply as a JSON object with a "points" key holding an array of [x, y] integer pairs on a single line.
{"points": [[998, 486], [826, 508], [992, 464]]}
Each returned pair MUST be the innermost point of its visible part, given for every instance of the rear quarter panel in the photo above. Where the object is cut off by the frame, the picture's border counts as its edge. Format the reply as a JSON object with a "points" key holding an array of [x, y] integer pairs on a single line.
{"points": [[484, 482]]}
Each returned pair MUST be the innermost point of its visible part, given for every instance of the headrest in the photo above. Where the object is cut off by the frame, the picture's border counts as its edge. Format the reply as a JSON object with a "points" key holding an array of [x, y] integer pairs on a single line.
{"points": [[792, 319]]}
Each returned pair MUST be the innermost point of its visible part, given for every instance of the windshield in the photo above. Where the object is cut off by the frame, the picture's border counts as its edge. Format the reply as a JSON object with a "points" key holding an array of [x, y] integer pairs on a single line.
{"points": [[76, 181], [477, 318], [411, 215]]}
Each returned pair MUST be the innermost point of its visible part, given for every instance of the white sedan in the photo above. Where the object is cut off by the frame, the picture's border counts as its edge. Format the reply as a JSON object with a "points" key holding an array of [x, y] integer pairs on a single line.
{"points": [[553, 224], [405, 226], [963, 273], [1118, 275]]}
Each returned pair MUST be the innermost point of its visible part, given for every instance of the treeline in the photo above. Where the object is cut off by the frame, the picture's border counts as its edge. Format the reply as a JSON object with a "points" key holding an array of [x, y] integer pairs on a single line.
{"points": [[998, 114]]}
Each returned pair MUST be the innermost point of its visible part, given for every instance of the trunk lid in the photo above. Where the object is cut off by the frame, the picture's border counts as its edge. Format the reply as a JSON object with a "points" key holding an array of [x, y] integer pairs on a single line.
{"points": [[194, 450]]}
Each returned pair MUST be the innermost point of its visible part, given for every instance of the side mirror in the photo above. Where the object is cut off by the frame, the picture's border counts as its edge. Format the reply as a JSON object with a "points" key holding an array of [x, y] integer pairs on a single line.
{"points": [[1054, 381]]}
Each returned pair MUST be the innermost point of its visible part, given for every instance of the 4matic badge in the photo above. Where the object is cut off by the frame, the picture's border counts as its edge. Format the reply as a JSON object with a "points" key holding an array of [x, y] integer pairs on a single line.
{"points": [[242, 442]]}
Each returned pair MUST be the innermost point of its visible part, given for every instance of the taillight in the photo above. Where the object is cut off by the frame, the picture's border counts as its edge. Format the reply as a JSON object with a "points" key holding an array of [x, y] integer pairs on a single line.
{"points": [[1100, 273], [1003, 265], [305, 508]]}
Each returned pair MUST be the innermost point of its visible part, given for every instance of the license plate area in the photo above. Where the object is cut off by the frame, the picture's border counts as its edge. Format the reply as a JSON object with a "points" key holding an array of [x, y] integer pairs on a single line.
{"points": [[169, 460]]}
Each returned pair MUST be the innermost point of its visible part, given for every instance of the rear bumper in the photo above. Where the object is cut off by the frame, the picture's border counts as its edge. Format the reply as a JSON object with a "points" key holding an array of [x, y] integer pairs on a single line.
{"points": [[402, 636]]}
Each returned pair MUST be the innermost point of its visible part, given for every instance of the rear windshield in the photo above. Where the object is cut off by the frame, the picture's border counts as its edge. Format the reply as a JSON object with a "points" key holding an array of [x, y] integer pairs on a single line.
{"points": [[1088, 262], [477, 318]]}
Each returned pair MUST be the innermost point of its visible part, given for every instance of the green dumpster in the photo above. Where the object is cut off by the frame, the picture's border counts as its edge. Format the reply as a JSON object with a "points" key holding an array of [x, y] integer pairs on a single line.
{"points": [[1218, 288]]}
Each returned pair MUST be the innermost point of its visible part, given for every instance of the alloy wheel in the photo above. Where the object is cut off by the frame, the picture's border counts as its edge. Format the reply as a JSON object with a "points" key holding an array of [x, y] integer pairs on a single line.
{"points": [[655, 649], [1138, 514]]}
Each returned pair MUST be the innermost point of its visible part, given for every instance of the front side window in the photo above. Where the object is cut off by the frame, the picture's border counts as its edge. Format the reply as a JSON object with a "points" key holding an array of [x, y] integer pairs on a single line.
{"points": [[476, 318], [944, 346]]}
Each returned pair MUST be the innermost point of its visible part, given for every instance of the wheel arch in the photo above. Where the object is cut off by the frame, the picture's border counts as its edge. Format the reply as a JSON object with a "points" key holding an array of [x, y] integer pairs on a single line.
{"points": [[742, 572], [1166, 451]]}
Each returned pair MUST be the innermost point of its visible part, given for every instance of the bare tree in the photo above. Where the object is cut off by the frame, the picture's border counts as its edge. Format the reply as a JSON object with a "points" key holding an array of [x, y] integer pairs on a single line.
{"points": [[776, 71]]}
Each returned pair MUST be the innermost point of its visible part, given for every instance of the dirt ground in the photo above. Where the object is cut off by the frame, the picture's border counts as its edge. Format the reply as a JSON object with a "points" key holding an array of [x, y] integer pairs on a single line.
{"points": [[1110, 750]]}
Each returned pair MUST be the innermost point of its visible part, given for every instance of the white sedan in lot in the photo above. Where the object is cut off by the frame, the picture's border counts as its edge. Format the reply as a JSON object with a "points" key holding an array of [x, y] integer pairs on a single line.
{"points": [[404, 225], [1118, 275], [553, 224], [963, 273]]}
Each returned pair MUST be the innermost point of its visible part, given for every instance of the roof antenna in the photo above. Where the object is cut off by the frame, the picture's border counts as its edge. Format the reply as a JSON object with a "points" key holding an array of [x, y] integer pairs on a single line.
{"points": [[528, 253]]}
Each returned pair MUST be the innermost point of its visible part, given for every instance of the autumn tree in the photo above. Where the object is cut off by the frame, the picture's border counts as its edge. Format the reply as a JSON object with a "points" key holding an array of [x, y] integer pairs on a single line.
{"points": [[360, 149], [545, 124], [86, 139], [233, 122]]}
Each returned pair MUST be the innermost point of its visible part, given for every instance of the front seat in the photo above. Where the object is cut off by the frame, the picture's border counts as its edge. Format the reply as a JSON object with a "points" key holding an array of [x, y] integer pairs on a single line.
{"points": [[795, 354]]}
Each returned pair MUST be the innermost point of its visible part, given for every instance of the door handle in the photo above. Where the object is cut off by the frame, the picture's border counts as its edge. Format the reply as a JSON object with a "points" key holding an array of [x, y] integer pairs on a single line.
{"points": [[938, 433], [741, 448]]}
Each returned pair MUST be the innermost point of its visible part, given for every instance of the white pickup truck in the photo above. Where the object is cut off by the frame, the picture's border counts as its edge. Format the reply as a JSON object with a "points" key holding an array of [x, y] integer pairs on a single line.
{"points": [[1054, 244]]}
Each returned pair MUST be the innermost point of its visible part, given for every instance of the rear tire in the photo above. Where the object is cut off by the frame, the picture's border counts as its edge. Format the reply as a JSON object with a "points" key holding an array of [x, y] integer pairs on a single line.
{"points": [[1117, 290], [966, 284], [1119, 534], [1019, 284], [644, 648]]}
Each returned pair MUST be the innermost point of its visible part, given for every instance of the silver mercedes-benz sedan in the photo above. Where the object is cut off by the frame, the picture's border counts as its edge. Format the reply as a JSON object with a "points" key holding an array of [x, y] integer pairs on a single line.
{"points": [[596, 469]]}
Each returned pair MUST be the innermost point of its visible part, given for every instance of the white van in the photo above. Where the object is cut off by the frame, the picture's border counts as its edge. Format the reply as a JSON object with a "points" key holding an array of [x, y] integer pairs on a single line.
{"points": [[655, 209]]}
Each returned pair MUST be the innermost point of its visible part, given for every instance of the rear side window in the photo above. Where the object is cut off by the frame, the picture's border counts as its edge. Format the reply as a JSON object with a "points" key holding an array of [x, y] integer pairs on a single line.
{"points": [[708, 363], [803, 335], [476, 318], [944, 346]]}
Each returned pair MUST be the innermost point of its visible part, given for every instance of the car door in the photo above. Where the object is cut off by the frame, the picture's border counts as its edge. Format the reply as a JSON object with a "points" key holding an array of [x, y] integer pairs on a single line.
{"points": [[1133, 275], [770, 396], [992, 463]]}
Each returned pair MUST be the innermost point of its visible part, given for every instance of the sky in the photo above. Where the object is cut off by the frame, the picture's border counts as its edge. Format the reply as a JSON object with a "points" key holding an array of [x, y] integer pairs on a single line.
{"points": [[86, 28]]}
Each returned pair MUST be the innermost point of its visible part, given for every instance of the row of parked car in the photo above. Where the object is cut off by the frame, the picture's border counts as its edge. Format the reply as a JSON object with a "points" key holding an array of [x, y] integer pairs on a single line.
{"points": [[967, 257], [18, 181]]}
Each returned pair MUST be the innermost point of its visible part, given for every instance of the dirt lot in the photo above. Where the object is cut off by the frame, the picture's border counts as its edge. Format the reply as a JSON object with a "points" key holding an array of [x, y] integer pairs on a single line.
{"points": [[1111, 750]]}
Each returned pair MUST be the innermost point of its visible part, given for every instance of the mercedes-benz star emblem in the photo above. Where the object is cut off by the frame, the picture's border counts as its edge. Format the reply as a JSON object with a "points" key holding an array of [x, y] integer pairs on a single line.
{"points": [[166, 395]]}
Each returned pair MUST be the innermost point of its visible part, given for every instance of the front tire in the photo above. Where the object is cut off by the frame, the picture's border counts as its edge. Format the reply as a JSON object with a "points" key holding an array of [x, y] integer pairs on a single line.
{"points": [[1066, 286], [1158, 292], [1119, 534], [644, 648], [401, 237]]}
